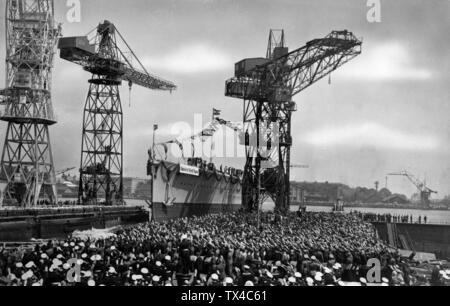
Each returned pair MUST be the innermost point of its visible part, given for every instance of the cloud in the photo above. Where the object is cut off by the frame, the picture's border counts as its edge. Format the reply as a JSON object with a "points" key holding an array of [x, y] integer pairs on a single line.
{"points": [[387, 62], [371, 134], [195, 58]]}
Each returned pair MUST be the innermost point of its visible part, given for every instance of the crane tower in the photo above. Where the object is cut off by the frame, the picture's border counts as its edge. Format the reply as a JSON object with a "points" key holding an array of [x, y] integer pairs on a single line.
{"points": [[27, 161], [267, 86], [101, 170]]}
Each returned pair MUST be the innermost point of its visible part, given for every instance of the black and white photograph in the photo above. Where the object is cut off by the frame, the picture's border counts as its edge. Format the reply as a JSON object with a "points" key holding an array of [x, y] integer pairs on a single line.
{"points": [[202, 144]]}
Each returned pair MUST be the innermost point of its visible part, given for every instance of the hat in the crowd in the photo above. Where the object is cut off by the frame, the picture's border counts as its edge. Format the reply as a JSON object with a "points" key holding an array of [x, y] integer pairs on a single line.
{"points": [[113, 247], [278, 264], [66, 266], [385, 280], [327, 270], [19, 265], [362, 280], [91, 283], [193, 258], [248, 284], [59, 256], [158, 264], [92, 258], [144, 271], [98, 257], [27, 275], [29, 265], [44, 256], [337, 266], [270, 275], [84, 255], [292, 280], [87, 273], [92, 246], [72, 244], [183, 237], [66, 245], [76, 248], [112, 270], [156, 278], [313, 257], [215, 277], [81, 244], [228, 280], [318, 277], [80, 262], [36, 285], [168, 284], [168, 258], [56, 262], [298, 275], [246, 267], [310, 281]]}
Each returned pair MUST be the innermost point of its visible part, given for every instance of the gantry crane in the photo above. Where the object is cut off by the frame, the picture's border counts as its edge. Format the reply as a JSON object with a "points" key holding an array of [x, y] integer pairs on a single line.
{"points": [[27, 161], [424, 191], [267, 86], [101, 168]]}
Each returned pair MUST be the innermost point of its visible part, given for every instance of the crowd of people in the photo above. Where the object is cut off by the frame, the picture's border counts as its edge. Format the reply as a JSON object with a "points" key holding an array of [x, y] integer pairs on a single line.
{"points": [[300, 249], [390, 218]]}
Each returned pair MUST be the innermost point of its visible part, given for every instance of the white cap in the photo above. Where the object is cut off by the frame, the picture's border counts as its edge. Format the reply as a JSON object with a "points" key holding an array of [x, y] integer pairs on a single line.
{"points": [[270, 275], [72, 244], [44, 256], [91, 283], [156, 278], [248, 284], [29, 265], [19, 265], [310, 281], [59, 256], [84, 255], [327, 270], [144, 271], [158, 264], [292, 279], [298, 275], [80, 262], [363, 280], [66, 266], [168, 258], [215, 276], [318, 277], [228, 280], [113, 247], [112, 270], [385, 280]]}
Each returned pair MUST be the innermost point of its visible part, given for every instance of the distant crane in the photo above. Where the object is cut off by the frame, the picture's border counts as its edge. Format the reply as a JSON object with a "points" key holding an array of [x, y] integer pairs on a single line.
{"points": [[101, 170], [64, 171], [267, 87], [424, 191]]}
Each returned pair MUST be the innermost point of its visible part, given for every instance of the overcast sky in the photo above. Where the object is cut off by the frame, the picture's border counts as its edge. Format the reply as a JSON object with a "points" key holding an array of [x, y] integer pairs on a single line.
{"points": [[388, 110]]}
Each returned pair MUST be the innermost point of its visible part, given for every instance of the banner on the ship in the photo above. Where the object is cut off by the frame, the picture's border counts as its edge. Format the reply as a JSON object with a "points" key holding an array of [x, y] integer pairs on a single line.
{"points": [[189, 170]]}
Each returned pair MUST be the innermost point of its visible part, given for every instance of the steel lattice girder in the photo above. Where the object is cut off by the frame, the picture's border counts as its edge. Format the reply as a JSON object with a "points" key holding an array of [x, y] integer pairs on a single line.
{"points": [[102, 158], [27, 161]]}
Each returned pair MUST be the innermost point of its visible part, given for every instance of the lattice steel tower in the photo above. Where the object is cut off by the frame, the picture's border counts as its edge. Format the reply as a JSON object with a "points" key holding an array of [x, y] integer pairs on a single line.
{"points": [[27, 161]]}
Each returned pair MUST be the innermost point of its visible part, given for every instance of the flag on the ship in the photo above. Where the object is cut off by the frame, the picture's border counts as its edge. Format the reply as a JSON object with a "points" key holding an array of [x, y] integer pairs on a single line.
{"points": [[155, 127], [216, 112]]}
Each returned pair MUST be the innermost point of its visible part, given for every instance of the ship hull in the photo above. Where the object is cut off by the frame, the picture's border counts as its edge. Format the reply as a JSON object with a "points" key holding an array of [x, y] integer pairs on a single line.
{"points": [[180, 195]]}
